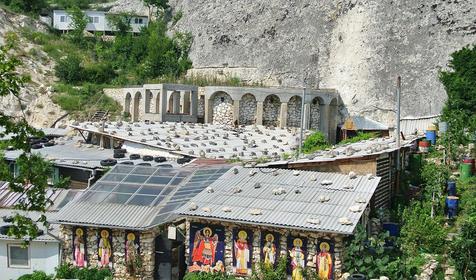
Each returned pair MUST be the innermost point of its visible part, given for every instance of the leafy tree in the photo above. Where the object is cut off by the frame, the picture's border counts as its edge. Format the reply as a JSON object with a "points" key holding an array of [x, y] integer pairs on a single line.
{"points": [[79, 21], [68, 4], [121, 23], [26, 6], [459, 110], [69, 69], [421, 232], [463, 249], [435, 177], [32, 179]]}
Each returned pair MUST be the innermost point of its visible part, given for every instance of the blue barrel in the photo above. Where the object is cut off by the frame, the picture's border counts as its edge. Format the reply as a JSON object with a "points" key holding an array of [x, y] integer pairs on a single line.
{"points": [[431, 136], [392, 228], [451, 188], [452, 206]]}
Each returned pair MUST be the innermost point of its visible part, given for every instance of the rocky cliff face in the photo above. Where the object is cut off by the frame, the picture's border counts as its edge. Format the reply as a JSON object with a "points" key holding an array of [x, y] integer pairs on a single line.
{"points": [[358, 47], [36, 104]]}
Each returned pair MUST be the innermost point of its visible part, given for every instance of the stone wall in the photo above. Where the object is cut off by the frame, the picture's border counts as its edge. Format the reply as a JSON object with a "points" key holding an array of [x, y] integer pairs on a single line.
{"points": [[247, 109], [222, 109], [311, 249], [294, 111], [315, 116], [271, 110], [147, 251]]}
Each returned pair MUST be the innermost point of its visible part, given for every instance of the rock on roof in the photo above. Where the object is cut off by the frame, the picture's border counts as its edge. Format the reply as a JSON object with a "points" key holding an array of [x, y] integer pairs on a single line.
{"points": [[306, 200]]}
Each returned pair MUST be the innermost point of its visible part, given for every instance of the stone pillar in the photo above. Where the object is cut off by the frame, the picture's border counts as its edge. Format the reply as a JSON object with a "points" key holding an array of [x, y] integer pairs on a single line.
{"points": [[236, 111], [259, 113], [176, 99], [208, 110], [194, 103], [324, 120], [283, 115], [307, 115], [186, 102], [101, 141], [158, 102]]}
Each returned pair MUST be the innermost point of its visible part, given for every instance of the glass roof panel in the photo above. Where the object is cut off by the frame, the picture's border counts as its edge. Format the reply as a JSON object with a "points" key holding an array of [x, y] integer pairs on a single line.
{"points": [[156, 180], [170, 172], [122, 169], [176, 181], [144, 200], [113, 177], [94, 197], [152, 190], [144, 170], [103, 186], [117, 198], [167, 190], [205, 172], [160, 198], [126, 188], [139, 179]]}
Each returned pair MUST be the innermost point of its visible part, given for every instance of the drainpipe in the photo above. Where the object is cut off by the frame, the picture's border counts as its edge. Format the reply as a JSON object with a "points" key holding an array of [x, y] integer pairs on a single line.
{"points": [[93, 175]]}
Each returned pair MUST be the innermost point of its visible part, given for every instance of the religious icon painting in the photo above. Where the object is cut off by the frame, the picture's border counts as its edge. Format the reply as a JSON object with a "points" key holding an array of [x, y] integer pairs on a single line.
{"points": [[242, 249], [270, 248], [105, 248], [325, 259], [297, 257], [132, 251], [207, 248], [79, 247]]}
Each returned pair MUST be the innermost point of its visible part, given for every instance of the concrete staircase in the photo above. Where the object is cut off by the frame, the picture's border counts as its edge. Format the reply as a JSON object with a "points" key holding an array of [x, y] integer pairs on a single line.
{"points": [[99, 116]]}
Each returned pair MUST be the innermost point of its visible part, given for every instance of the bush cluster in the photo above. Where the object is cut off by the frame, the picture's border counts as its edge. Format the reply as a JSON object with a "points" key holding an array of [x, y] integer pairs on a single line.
{"points": [[315, 142]]}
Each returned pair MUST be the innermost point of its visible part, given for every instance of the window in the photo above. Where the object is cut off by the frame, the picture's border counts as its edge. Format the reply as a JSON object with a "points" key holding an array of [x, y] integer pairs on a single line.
{"points": [[18, 256], [93, 19], [138, 21], [63, 19]]}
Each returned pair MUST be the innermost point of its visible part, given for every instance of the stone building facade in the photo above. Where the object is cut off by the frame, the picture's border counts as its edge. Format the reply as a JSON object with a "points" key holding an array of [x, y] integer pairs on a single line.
{"points": [[147, 250], [311, 248]]}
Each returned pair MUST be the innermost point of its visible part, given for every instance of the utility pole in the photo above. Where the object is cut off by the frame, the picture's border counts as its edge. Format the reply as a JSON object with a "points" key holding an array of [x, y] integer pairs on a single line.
{"points": [[397, 131], [303, 98]]}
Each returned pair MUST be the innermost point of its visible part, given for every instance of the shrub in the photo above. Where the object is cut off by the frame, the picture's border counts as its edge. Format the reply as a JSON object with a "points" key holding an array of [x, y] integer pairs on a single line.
{"points": [[265, 272], [208, 276], [69, 69], [36, 275], [359, 137], [315, 142], [463, 249], [67, 271], [99, 73]]}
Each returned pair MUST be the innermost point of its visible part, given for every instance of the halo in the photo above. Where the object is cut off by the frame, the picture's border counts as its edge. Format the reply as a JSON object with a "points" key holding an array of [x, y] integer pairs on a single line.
{"points": [[269, 237], [297, 242], [79, 231], [325, 245], [207, 229], [131, 236], [104, 233], [242, 234]]}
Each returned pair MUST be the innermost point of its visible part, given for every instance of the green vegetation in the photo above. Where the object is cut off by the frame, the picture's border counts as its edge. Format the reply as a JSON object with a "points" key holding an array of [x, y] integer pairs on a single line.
{"points": [[67, 271], [31, 7], [315, 142], [459, 111], [36, 275], [359, 137]]}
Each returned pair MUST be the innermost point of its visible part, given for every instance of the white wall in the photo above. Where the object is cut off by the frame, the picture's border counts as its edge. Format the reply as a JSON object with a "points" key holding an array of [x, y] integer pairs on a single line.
{"points": [[43, 256]]}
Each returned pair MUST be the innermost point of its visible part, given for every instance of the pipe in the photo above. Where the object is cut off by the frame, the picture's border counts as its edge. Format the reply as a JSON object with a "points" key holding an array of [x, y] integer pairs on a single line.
{"points": [[93, 175]]}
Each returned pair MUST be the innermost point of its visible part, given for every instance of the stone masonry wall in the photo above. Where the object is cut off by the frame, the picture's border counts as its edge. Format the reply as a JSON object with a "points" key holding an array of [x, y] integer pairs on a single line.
{"points": [[147, 251], [271, 110], [315, 116], [222, 110], [247, 109], [294, 112], [311, 249]]}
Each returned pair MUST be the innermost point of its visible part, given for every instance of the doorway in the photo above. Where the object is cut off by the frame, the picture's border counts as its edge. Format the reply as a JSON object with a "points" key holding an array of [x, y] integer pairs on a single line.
{"points": [[169, 257]]}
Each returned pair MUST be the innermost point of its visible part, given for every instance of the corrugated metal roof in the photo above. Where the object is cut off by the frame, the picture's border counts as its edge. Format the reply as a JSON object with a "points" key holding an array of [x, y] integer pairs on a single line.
{"points": [[364, 123], [48, 234], [410, 125], [111, 201], [301, 201]]}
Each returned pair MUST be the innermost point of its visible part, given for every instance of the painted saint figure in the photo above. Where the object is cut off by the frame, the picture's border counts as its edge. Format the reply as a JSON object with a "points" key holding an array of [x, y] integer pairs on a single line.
{"points": [[324, 262], [79, 249], [242, 253], [269, 250], [104, 249], [204, 247], [297, 260], [131, 252]]}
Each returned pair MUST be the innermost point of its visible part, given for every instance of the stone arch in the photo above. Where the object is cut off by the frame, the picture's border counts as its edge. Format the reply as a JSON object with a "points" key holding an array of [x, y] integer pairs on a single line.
{"points": [[271, 109], [148, 100], [137, 107], [174, 103], [315, 111], [247, 113], [127, 104], [158, 102], [293, 118], [222, 108]]}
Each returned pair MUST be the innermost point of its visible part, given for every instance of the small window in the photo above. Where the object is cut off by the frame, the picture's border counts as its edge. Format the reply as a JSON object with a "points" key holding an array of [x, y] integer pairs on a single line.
{"points": [[18, 256], [138, 21], [96, 19], [63, 19]]}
